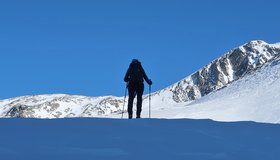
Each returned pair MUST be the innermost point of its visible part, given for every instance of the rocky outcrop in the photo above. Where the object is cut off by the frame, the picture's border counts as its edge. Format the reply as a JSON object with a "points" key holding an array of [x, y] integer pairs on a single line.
{"points": [[222, 71]]}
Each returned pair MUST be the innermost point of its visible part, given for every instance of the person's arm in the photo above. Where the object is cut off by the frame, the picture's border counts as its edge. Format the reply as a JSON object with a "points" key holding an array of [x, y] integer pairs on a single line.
{"points": [[149, 81], [126, 77]]}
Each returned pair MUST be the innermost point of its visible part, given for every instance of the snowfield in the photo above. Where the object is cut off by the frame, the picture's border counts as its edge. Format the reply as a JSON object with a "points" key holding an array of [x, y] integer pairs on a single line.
{"points": [[149, 139]]}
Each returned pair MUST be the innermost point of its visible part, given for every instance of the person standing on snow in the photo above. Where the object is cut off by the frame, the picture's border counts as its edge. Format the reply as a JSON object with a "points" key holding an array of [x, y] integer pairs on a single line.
{"points": [[134, 78]]}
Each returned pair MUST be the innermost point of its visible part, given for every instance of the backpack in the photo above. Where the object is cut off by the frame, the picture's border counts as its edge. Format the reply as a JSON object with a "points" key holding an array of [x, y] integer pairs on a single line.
{"points": [[135, 71]]}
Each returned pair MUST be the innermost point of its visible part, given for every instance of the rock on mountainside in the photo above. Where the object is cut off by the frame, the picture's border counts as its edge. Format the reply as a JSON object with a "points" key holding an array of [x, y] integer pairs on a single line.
{"points": [[59, 106], [251, 98], [219, 73], [224, 70]]}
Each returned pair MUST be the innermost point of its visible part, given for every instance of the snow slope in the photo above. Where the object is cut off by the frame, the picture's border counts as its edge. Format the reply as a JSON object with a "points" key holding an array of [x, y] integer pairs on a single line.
{"points": [[254, 97], [149, 139]]}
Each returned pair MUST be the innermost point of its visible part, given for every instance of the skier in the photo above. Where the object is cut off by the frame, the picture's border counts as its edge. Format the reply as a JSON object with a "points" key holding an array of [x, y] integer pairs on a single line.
{"points": [[134, 79]]}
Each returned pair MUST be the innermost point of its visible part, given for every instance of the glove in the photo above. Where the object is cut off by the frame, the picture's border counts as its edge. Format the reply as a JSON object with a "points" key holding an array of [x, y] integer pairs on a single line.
{"points": [[150, 82]]}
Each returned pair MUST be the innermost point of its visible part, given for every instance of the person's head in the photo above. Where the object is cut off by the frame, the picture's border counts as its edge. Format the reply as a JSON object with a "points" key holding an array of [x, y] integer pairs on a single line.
{"points": [[135, 63]]}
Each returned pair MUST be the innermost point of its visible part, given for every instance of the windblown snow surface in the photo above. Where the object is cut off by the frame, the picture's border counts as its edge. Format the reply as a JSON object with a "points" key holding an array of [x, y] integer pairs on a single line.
{"points": [[144, 139]]}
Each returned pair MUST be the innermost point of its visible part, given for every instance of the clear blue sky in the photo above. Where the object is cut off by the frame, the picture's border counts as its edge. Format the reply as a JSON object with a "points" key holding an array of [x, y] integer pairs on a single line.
{"points": [[85, 46]]}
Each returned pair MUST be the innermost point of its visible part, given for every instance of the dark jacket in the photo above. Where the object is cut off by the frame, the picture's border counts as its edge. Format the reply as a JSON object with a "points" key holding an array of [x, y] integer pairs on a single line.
{"points": [[136, 73]]}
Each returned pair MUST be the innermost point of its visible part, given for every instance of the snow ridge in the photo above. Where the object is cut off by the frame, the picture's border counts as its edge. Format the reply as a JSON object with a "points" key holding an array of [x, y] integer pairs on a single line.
{"points": [[59, 106], [219, 73], [252, 98]]}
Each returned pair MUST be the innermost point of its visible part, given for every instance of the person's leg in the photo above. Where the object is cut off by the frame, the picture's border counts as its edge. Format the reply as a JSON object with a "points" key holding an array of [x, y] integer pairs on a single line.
{"points": [[131, 95], [139, 92]]}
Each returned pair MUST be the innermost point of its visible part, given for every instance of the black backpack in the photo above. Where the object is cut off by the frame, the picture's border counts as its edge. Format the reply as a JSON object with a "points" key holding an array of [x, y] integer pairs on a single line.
{"points": [[136, 72]]}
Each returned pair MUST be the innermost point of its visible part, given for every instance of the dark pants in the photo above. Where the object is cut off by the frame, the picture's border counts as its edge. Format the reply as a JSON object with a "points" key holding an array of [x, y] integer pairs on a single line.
{"points": [[133, 90]]}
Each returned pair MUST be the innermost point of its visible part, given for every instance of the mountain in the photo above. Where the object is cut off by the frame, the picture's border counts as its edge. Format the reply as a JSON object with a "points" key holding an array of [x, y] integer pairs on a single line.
{"points": [[59, 106], [184, 99], [230, 67], [254, 97]]}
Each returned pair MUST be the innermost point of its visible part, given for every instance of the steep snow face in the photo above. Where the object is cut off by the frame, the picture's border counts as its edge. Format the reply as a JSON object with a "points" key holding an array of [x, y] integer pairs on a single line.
{"points": [[224, 70], [254, 97], [167, 103]]}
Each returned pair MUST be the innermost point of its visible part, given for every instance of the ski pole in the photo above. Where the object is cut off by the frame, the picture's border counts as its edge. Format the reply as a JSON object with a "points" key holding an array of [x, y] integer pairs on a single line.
{"points": [[124, 100], [150, 88]]}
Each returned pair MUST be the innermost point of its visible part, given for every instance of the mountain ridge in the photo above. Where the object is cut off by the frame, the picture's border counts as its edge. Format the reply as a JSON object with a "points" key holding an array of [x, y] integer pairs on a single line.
{"points": [[252, 98], [224, 69], [214, 76]]}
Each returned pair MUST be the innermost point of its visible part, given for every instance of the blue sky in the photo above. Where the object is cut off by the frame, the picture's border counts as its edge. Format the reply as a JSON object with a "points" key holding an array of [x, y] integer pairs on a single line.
{"points": [[85, 46]]}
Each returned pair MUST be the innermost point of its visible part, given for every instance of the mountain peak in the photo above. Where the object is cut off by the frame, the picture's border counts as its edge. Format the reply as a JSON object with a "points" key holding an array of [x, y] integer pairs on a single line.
{"points": [[224, 70], [257, 42]]}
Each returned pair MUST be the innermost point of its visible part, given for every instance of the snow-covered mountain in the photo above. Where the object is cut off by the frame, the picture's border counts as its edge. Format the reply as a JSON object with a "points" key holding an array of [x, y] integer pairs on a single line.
{"points": [[230, 67], [255, 97], [59, 106], [208, 93]]}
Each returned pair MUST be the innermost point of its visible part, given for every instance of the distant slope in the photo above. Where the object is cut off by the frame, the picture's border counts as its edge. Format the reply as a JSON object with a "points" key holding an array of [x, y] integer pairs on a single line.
{"points": [[59, 106]]}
